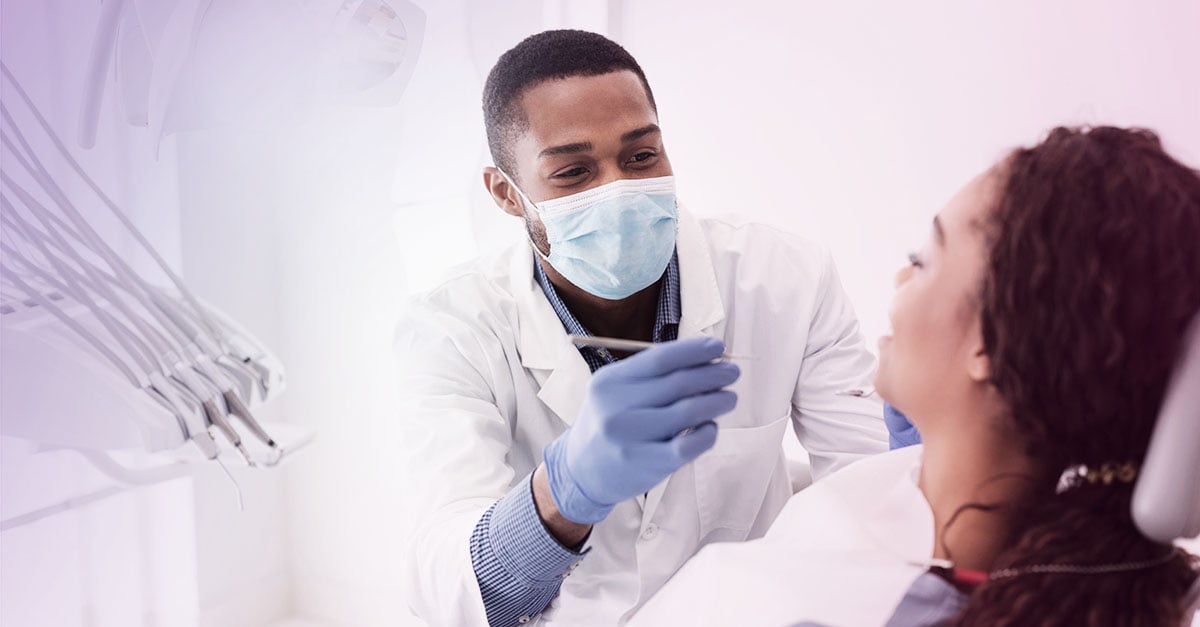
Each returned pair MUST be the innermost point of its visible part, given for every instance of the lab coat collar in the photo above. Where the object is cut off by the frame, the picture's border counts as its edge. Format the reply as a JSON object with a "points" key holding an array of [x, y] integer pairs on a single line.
{"points": [[543, 343], [699, 295], [540, 334]]}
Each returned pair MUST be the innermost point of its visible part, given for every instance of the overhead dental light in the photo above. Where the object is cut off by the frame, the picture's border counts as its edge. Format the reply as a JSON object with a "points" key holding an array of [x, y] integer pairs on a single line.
{"points": [[97, 357]]}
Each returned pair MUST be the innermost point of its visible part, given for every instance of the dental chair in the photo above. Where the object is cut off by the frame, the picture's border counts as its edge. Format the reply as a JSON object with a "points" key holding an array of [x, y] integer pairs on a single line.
{"points": [[1166, 499]]}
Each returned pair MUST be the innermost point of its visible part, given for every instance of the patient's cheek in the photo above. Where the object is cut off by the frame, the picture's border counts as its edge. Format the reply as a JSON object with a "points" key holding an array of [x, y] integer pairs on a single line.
{"points": [[914, 358]]}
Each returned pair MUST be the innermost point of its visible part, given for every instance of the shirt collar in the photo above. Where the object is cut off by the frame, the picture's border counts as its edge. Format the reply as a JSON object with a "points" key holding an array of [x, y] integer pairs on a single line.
{"points": [[666, 319]]}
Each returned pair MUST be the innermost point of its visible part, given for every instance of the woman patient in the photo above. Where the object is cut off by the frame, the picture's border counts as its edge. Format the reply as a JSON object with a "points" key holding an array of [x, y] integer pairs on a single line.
{"points": [[1033, 333]]}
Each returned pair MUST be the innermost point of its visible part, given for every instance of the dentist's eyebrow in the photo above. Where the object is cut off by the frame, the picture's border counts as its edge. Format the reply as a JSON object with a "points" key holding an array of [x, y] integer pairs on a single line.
{"points": [[939, 231], [640, 133], [566, 149], [578, 147]]}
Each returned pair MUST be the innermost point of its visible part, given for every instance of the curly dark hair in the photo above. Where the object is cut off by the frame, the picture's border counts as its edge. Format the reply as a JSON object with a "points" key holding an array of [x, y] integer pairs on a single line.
{"points": [[1092, 278], [548, 55]]}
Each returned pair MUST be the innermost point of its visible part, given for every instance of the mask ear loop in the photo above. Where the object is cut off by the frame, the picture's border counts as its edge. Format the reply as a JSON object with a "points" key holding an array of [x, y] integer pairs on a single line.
{"points": [[525, 204]]}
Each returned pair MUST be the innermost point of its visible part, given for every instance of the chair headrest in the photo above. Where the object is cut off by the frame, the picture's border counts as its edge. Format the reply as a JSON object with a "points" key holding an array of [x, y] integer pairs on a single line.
{"points": [[1166, 499]]}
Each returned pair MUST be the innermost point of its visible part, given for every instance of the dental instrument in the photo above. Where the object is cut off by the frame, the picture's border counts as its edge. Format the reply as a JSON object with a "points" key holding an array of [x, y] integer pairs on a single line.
{"points": [[629, 346], [213, 336], [148, 369], [150, 359]]}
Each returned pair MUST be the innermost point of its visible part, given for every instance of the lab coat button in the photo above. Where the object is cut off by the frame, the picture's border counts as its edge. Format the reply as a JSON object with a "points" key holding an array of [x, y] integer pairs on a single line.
{"points": [[523, 619], [650, 532], [574, 565]]}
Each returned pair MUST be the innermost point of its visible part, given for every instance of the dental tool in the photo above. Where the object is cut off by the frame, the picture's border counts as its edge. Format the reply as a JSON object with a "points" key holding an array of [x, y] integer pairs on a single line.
{"points": [[152, 347], [198, 311], [136, 379], [152, 384], [155, 347], [203, 351], [64, 289], [134, 347], [168, 321], [147, 379], [168, 356], [629, 346], [220, 378]]}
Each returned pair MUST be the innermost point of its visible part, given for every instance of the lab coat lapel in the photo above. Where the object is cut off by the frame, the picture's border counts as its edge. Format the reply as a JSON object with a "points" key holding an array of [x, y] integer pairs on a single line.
{"points": [[701, 305], [543, 344], [700, 298], [564, 390]]}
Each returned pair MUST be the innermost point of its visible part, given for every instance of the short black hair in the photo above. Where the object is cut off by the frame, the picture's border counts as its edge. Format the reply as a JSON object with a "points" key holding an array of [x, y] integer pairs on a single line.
{"points": [[550, 55]]}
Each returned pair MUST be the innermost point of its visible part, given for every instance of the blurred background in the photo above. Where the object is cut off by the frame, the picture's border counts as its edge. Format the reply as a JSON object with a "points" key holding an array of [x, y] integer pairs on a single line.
{"points": [[310, 220]]}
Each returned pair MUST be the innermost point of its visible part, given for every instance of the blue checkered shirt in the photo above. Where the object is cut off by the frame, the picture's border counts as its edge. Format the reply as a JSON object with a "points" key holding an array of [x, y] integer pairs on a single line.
{"points": [[518, 564]]}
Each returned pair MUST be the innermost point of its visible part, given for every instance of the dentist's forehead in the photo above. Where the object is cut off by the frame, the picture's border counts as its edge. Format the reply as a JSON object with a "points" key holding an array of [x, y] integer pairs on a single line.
{"points": [[581, 109]]}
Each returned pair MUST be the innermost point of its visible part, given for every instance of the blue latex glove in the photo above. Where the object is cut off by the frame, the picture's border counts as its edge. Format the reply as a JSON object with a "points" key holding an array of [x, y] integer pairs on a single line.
{"points": [[630, 433], [901, 432]]}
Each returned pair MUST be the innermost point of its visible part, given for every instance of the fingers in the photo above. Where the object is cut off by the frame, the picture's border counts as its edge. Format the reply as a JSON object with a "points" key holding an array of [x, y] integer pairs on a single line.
{"points": [[661, 459], [663, 423], [669, 388], [668, 357], [689, 446]]}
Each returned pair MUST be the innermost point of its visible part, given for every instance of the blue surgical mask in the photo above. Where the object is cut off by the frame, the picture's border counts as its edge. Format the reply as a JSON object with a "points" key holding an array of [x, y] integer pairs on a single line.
{"points": [[614, 240]]}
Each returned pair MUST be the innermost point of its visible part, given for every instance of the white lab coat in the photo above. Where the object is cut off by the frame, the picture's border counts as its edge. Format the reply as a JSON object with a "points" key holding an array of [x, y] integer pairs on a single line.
{"points": [[489, 378]]}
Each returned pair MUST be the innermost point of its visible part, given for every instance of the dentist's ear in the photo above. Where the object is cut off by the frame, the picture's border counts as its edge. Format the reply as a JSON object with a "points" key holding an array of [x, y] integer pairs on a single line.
{"points": [[504, 194]]}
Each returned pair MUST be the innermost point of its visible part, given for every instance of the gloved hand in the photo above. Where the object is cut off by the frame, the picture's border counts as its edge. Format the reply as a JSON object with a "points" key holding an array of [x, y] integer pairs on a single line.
{"points": [[630, 433], [901, 432]]}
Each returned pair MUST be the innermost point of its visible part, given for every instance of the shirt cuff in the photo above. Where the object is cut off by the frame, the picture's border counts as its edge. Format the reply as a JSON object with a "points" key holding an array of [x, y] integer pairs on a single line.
{"points": [[523, 545]]}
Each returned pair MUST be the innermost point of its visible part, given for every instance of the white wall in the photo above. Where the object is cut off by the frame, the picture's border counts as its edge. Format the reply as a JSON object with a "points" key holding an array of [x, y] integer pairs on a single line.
{"points": [[853, 122], [849, 122]]}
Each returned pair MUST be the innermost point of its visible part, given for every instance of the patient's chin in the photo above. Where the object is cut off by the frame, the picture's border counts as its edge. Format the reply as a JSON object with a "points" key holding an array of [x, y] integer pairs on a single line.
{"points": [[882, 385], [893, 387], [882, 372]]}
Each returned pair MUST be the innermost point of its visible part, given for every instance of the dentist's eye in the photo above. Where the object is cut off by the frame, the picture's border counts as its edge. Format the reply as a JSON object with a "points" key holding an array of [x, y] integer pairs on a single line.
{"points": [[573, 172], [915, 261], [642, 156]]}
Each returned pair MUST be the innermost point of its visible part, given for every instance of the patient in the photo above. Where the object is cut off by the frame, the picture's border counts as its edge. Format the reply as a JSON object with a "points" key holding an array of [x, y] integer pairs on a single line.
{"points": [[1034, 332]]}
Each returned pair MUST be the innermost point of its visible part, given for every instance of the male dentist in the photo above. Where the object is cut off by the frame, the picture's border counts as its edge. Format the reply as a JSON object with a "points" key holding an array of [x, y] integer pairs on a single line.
{"points": [[563, 485]]}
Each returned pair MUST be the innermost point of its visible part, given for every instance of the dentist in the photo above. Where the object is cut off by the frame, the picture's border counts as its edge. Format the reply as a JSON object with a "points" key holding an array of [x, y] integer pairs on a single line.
{"points": [[564, 485]]}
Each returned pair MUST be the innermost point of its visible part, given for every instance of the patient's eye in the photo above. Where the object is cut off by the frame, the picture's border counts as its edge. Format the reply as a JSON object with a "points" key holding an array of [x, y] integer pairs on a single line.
{"points": [[915, 260]]}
